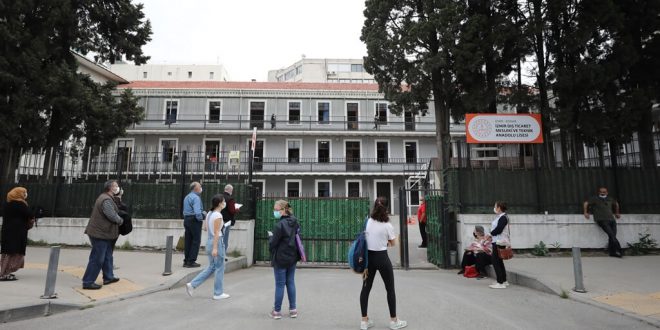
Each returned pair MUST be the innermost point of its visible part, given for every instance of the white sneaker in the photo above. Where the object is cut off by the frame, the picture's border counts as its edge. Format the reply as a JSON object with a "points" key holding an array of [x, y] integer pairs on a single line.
{"points": [[505, 283], [189, 289], [398, 324], [497, 286], [222, 296], [364, 325]]}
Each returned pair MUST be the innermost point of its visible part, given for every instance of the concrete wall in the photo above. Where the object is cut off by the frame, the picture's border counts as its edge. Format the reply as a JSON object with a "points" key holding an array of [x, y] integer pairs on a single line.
{"points": [[567, 229], [146, 233]]}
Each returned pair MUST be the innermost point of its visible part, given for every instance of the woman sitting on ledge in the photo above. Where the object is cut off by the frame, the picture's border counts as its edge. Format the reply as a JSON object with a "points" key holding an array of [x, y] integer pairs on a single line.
{"points": [[477, 253]]}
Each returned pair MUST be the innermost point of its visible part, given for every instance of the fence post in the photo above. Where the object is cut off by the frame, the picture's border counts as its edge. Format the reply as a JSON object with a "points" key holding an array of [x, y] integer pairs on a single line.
{"points": [[577, 270], [51, 275], [168, 255], [184, 156], [403, 225]]}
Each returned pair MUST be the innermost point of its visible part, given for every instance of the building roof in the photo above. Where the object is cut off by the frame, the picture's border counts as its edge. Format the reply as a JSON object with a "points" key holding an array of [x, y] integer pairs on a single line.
{"points": [[249, 85], [98, 68]]}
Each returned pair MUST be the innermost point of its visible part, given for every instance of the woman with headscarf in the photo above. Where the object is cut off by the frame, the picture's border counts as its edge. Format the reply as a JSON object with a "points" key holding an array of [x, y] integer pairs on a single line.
{"points": [[16, 221]]}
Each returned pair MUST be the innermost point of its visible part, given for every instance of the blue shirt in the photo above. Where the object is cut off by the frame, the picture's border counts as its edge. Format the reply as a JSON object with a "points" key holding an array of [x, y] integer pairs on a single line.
{"points": [[192, 205]]}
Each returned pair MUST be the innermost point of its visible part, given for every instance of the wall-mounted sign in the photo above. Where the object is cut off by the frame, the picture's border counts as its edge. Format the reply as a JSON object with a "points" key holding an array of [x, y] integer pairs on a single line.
{"points": [[503, 128], [234, 158]]}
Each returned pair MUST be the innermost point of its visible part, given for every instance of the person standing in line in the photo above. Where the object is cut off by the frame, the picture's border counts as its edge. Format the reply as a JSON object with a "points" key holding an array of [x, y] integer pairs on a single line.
{"points": [[284, 256], [421, 218], [229, 214], [500, 239], [103, 230], [605, 210], [215, 252], [380, 236], [16, 222], [193, 217]]}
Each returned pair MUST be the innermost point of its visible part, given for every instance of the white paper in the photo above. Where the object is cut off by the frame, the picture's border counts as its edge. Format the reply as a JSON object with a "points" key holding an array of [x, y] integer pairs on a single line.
{"points": [[227, 224], [238, 205], [270, 233]]}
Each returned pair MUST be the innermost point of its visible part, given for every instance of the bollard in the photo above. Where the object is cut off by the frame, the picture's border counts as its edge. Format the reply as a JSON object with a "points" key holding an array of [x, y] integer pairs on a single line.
{"points": [[168, 255], [577, 270], [51, 275]]}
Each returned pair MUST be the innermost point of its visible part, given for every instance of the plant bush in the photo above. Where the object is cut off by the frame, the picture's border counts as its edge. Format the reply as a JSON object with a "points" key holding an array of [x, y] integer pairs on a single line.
{"points": [[645, 244], [540, 250]]}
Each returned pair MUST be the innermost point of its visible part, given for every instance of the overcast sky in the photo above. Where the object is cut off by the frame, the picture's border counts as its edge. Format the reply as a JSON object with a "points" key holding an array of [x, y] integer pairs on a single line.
{"points": [[251, 37]]}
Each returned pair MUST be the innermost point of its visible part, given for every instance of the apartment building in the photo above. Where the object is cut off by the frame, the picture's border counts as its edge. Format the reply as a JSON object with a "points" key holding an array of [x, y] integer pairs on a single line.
{"points": [[170, 72], [323, 71]]}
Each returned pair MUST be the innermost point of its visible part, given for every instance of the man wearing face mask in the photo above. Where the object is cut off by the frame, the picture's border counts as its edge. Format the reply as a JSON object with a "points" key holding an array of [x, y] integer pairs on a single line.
{"points": [[605, 210], [193, 217]]}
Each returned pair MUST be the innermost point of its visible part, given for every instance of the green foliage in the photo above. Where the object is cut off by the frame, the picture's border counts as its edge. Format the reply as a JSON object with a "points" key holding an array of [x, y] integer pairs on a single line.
{"points": [[234, 253], [564, 294], [644, 245], [37, 243], [540, 250], [556, 246], [126, 246]]}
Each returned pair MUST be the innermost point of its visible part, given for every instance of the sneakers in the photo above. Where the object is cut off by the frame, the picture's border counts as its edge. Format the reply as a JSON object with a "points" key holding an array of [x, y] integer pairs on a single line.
{"points": [[364, 325], [189, 289], [398, 324], [222, 296], [293, 313], [275, 315], [505, 283], [497, 286]]}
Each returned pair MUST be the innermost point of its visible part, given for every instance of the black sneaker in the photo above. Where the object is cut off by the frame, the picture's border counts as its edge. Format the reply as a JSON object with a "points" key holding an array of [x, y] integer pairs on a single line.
{"points": [[92, 286], [193, 265], [110, 281]]}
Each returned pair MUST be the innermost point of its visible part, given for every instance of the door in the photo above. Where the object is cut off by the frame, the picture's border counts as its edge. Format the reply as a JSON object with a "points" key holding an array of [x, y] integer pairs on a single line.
{"points": [[211, 154], [352, 116], [124, 149], [410, 121], [352, 155], [411, 152], [384, 189], [258, 164], [257, 110]]}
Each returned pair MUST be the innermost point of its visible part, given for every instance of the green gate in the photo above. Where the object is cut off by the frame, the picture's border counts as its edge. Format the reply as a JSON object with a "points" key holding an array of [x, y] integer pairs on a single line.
{"points": [[327, 226]]}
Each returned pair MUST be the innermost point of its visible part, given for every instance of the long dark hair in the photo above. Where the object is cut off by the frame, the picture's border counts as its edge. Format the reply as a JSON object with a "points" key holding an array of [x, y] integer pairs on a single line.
{"points": [[379, 212], [216, 200]]}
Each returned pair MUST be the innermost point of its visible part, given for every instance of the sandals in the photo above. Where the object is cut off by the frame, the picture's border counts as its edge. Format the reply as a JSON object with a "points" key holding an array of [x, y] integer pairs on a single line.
{"points": [[10, 277]]}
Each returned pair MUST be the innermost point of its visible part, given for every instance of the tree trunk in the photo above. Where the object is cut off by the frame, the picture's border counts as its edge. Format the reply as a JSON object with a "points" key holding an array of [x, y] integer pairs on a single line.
{"points": [[645, 136]]}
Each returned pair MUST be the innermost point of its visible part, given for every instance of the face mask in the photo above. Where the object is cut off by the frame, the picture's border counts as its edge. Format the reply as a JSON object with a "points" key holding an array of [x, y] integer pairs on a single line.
{"points": [[200, 190], [115, 190], [474, 234], [223, 206], [277, 214], [495, 210], [25, 196], [603, 195]]}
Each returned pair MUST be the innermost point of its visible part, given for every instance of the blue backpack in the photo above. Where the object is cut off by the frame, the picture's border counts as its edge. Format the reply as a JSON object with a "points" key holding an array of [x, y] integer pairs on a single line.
{"points": [[358, 254]]}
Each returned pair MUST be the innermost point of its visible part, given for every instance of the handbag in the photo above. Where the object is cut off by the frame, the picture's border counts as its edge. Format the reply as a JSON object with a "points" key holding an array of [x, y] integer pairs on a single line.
{"points": [[506, 252], [301, 248], [470, 271]]}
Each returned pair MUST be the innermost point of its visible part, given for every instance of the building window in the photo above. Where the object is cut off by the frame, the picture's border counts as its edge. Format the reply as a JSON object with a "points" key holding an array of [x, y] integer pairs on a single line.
{"points": [[171, 111], [294, 113], [339, 67], [293, 151], [382, 152], [324, 112], [485, 152], [214, 111], [323, 188], [210, 75], [169, 74], [144, 74], [356, 68], [411, 152], [381, 113], [168, 150], [353, 189], [260, 187], [189, 74], [323, 151], [292, 188]]}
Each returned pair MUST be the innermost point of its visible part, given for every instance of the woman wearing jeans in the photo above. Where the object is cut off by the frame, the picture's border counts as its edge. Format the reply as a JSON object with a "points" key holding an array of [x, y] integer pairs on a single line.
{"points": [[500, 239], [284, 256], [215, 251], [380, 236]]}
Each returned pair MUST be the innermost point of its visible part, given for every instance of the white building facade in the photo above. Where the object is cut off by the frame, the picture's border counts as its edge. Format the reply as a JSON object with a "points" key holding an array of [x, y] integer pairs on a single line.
{"points": [[170, 72], [323, 71]]}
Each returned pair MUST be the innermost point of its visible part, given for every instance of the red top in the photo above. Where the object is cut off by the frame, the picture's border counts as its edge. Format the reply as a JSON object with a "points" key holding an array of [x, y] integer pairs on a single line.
{"points": [[421, 213]]}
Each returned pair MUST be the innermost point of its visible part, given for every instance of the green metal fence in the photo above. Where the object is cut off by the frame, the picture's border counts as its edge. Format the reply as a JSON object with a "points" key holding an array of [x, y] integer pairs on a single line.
{"points": [[327, 226], [146, 200], [435, 251], [558, 191]]}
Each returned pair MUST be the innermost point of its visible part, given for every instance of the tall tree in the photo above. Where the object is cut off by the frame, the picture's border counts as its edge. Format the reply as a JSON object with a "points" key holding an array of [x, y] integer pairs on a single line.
{"points": [[44, 99], [411, 53]]}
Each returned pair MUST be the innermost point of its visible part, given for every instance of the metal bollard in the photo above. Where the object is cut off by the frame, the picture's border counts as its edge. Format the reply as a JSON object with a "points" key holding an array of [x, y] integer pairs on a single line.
{"points": [[577, 270], [168, 256], [51, 275]]}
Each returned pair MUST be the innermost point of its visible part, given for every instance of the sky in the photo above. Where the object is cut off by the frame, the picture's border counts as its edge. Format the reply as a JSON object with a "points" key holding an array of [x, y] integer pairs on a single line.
{"points": [[251, 37]]}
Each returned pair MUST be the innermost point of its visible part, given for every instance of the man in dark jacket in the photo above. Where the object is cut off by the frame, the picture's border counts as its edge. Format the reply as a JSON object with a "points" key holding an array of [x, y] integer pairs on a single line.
{"points": [[229, 213], [605, 210], [102, 229]]}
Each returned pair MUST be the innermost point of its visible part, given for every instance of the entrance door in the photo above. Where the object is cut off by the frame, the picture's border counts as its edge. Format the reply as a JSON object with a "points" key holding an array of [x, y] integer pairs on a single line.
{"points": [[351, 116], [258, 164], [411, 152], [257, 110], [124, 149], [211, 154], [410, 121], [352, 155], [384, 189]]}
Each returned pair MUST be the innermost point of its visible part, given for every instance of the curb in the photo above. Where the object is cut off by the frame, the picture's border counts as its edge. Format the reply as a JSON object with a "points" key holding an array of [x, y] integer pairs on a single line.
{"points": [[50, 308]]}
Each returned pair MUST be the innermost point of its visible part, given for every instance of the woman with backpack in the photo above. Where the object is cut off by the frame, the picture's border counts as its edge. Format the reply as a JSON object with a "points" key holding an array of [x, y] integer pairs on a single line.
{"points": [[284, 256], [380, 235]]}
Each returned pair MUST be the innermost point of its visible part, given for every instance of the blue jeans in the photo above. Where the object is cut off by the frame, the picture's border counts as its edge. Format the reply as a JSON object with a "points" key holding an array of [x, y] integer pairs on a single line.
{"points": [[285, 276], [225, 238], [100, 258], [193, 237], [216, 265]]}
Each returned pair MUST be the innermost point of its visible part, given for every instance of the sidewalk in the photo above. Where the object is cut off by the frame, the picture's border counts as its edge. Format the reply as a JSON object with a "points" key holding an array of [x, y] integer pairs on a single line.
{"points": [[140, 273], [627, 286]]}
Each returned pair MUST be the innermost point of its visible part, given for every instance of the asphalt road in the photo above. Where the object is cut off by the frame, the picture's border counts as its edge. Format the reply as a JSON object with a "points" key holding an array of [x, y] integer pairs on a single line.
{"points": [[329, 299]]}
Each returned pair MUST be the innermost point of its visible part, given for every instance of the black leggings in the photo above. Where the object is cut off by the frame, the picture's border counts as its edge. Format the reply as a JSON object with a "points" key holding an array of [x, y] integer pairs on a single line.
{"points": [[379, 261], [498, 265]]}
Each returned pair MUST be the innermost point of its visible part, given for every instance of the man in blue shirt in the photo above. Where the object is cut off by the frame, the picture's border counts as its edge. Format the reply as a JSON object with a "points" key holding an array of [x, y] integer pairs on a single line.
{"points": [[193, 217]]}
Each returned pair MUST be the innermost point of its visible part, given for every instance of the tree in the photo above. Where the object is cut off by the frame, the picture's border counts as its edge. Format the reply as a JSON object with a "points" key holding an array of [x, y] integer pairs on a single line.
{"points": [[43, 95], [411, 49]]}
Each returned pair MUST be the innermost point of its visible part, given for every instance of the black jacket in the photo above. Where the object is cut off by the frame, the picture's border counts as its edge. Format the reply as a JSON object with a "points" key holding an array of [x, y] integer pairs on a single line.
{"points": [[229, 212], [14, 228], [283, 249]]}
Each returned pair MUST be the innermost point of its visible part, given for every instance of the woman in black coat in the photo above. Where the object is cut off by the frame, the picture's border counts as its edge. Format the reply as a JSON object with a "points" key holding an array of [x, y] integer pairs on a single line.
{"points": [[16, 221]]}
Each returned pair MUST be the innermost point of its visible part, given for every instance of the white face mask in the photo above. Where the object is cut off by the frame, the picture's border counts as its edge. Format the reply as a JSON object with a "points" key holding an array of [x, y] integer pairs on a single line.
{"points": [[115, 190], [200, 190], [603, 195], [25, 195], [495, 210]]}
